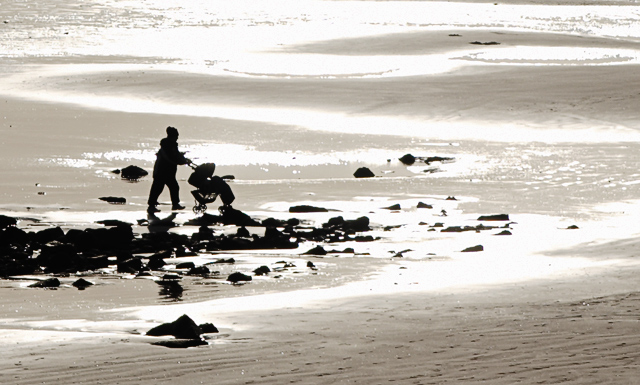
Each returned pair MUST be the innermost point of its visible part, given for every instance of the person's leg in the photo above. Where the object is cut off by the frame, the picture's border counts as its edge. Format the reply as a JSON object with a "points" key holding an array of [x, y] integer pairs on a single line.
{"points": [[174, 189], [156, 189]]}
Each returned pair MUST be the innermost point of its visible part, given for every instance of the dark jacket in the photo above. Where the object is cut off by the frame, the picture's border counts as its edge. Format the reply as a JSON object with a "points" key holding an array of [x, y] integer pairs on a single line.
{"points": [[168, 159]]}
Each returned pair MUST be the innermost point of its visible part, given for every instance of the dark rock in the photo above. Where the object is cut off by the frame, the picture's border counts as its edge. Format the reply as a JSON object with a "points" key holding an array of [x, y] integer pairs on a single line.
{"points": [[395, 207], [208, 328], [114, 200], [318, 250], [272, 222], [181, 328], [200, 270], [204, 234], [6, 221], [47, 283], [359, 224], [262, 270], [363, 172], [120, 236], [182, 251], [97, 262], [131, 266], [232, 216], [451, 198], [573, 227], [497, 217], [238, 277], [82, 284], [422, 205], [364, 238], [113, 222], [484, 43], [133, 173], [311, 265], [334, 222], [307, 209], [408, 159], [48, 235], [185, 265], [225, 260], [76, 237], [504, 232], [155, 263], [291, 222], [14, 236], [60, 258], [473, 249], [171, 277], [243, 232], [431, 159]]}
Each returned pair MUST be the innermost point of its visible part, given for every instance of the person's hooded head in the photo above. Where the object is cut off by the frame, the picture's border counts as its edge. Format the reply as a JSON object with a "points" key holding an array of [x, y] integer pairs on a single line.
{"points": [[172, 133]]}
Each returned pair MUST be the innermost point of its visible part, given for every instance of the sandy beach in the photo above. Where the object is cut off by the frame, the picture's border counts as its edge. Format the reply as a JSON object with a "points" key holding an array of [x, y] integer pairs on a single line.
{"points": [[532, 104]]}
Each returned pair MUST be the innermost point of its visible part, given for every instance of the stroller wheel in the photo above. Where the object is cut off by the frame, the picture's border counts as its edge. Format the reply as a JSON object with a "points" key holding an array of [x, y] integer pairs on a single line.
{"points": [[199, 208]]}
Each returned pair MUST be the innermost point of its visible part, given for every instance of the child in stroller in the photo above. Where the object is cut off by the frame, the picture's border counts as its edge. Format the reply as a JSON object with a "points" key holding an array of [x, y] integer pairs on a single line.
{"points": [[209, 187]]}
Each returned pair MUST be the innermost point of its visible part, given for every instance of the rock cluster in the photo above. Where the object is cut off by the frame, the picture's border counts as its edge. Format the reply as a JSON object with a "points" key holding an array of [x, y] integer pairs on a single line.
{"points": [[54, 251]]}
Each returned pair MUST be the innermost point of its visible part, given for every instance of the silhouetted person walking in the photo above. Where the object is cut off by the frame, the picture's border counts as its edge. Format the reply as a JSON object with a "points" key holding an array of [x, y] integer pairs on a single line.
{"points": [[164, 171]]}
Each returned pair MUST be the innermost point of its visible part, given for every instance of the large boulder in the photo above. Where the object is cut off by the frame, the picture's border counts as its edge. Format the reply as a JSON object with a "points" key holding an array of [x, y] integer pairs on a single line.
{"points": [[182, 328], [13, 236], [60, 258], [6, 221], [48, 235]]}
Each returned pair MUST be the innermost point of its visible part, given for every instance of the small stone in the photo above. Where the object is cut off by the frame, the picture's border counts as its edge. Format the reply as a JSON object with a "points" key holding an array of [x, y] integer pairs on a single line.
{"points": [[408, 159], [114, 200], [82, 284], [47, 283], [262, 270], [363, 172], [208, 328], [497, 217], [238, 277], [473, 249]]}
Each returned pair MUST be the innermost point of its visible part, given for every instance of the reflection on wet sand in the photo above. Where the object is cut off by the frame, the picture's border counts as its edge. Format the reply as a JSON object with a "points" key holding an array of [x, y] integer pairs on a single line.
{"points": [[170, 290]]}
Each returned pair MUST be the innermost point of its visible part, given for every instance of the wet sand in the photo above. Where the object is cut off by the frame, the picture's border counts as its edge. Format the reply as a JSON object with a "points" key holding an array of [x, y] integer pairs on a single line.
{"points": [[545, 305]]}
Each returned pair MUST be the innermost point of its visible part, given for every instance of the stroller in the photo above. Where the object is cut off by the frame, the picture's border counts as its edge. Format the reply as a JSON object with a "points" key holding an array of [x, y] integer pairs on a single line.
{"points": [[208, 187]]}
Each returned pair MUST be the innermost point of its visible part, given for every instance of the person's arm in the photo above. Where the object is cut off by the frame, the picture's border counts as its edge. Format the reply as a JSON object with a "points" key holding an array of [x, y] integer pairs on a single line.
{"points": [[169, 151]]}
